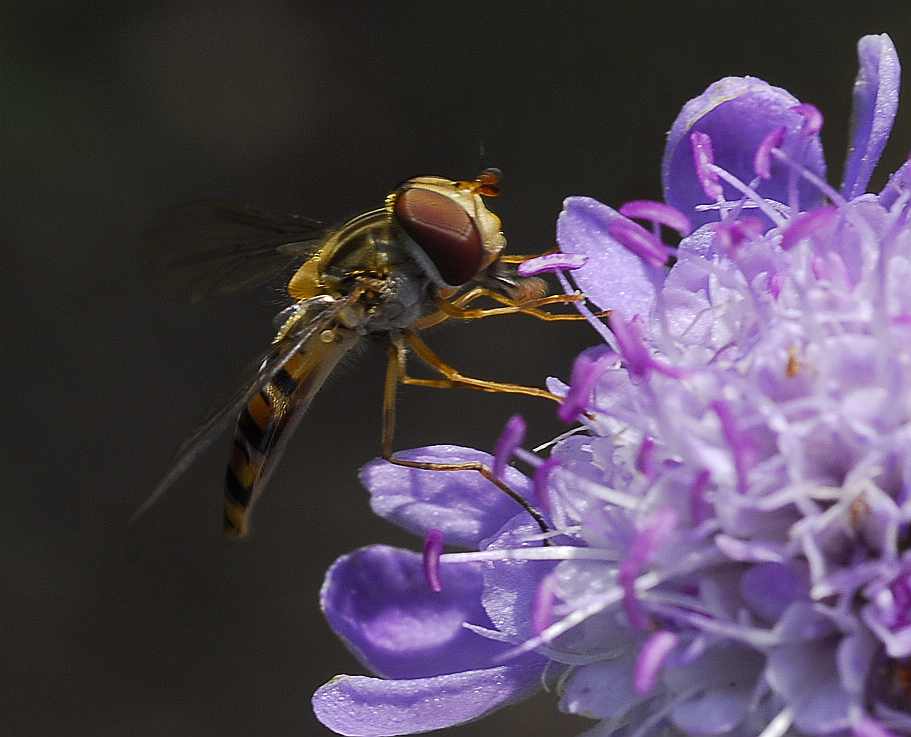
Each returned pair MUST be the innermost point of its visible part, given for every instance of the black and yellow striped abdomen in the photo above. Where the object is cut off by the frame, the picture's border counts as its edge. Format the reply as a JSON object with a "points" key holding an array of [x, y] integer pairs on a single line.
{"points": [[267, 421]]}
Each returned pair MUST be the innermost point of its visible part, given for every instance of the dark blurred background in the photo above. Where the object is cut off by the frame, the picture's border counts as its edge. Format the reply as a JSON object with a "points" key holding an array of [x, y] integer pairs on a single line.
{"points": [[112, 110]]}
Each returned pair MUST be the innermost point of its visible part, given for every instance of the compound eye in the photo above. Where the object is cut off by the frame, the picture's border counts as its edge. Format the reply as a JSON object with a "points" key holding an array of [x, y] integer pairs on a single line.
{"points": [[443, 230]]}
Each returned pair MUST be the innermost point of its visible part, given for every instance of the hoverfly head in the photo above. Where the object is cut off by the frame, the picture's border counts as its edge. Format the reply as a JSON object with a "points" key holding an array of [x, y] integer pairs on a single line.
{"points": [[455, 236]]}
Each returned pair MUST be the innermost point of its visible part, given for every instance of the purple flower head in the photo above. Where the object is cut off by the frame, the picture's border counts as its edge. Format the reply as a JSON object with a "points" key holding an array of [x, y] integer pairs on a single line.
{"points": [[727, 548]]}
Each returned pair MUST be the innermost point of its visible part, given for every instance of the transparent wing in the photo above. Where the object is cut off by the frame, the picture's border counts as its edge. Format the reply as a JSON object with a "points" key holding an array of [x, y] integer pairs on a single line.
{"points": [[212, 247], [209, 430]]}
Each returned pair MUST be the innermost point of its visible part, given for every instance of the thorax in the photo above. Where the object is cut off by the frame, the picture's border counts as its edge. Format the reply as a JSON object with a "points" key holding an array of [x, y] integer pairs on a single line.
{"points": [[369, 252]]}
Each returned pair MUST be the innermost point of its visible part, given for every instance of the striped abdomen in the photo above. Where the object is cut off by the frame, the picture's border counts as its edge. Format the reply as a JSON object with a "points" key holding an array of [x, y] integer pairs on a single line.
{"points": [[268, 420]]}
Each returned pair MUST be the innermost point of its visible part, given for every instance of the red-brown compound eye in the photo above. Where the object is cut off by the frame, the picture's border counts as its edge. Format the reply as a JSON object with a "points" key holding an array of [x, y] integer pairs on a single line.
{"points": [[443, 230]]}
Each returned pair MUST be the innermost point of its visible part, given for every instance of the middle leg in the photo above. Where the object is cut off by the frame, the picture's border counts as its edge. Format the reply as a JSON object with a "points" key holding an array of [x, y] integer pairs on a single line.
{"points": [[395, 373]]}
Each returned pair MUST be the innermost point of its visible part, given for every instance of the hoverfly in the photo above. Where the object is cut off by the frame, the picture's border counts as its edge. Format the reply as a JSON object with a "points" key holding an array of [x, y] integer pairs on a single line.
{"points": [[389, 273]]}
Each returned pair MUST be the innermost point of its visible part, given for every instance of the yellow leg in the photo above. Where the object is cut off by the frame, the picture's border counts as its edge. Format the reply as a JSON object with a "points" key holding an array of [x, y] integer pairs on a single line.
{"points": [[455, 308], [395, 372], [528, 307], [454, 379]]}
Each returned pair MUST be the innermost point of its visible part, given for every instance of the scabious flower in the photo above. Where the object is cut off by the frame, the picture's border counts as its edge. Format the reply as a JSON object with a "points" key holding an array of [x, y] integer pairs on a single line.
{"points": [[727, 547]]}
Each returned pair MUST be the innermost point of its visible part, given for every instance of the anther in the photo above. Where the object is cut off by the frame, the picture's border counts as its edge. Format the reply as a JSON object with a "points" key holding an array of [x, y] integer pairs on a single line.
{"points": [[732, 233], [586, 372], [634, 352], [433, 547], [645, 458], [812, 118], [703, 159], [551, 262], [657, 212], [652, 657], [805, 225], [762, 162], [643, 547], [511, 438], [699, 506], [740, 445], [640, 242]]}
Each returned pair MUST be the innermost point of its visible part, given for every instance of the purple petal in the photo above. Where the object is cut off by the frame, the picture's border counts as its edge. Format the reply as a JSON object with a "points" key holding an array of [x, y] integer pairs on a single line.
{"points": [[511, 586], [541, 481], [855, 657], [875, 104], [726, 677], [377, 600], [462, 504], [613, 278], [511, 438], [713, 712], [737, 113], [657, 212], [552, 262], [371, 707], [433, 547], [542, 613], [898, 183], [807, 676], [602, 690], [802, 622], [770, 588]]}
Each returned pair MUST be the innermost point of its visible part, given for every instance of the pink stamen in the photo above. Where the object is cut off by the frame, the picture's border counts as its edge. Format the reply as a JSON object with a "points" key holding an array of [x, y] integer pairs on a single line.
{"points": [[762, 162], [542, 608], [540, 483], [640, 242], [645, 458], [586, 372], [867, 727], [741, 448], [551, 262], [433, 547], [812, 118], [640, 554], [830, 267], [636, 355], [700, 509], [651, 660], [658, 212], [776, 282], [732, 233], [511, 438], [806, 224], [703, 158]]}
